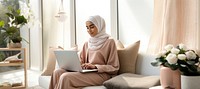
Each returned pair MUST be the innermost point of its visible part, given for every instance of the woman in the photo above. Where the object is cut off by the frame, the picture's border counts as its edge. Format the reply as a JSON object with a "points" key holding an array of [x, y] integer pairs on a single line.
{"points": [[98, 53]]}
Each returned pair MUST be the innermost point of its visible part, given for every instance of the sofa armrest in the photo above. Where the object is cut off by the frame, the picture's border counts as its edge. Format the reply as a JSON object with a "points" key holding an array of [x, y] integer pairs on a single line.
{"points": [[44, 81]]}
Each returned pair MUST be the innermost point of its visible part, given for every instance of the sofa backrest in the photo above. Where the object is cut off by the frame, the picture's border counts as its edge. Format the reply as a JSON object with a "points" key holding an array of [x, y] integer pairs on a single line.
{"points": [[143, 64]]}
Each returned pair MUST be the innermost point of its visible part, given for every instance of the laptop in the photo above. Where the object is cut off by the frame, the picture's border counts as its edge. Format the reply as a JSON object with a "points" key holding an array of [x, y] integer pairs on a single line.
{"points": [[69, 60]]}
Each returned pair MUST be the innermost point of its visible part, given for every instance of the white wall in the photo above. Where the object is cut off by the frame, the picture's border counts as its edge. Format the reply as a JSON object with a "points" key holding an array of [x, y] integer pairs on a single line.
{"points": [[135, 23]]}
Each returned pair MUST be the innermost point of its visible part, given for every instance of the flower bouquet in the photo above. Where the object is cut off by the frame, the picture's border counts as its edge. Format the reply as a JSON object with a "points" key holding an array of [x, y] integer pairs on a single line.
{"points": [[186, 60]]}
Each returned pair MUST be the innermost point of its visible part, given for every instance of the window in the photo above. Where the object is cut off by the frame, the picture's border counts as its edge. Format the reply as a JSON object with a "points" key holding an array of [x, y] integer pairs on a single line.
{"points": [[86, 8]]}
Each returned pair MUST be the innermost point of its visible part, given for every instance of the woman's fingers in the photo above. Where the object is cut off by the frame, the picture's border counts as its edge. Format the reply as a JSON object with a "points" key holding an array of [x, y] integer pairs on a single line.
{"points": [[88, 66]]}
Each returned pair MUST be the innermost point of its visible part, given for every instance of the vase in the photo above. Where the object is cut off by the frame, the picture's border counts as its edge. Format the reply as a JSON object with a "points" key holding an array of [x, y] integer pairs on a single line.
{"points": [[14, 45], [190, 82], [170, 78]]}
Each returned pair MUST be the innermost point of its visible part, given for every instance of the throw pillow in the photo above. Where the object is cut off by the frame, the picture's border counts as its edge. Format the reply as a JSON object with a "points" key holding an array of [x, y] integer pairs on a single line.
{"points": [[127, 58], [119, 44], [132, 81], [51, 61]]}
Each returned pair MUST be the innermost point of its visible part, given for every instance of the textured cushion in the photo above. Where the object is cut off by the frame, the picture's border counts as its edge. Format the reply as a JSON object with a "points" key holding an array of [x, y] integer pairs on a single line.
{"points": [[127, 58], [51, 61], [131, 81]]}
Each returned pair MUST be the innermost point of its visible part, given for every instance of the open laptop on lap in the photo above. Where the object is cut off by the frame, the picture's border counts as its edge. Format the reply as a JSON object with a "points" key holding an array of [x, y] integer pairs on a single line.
{"points": [[69, 60]]}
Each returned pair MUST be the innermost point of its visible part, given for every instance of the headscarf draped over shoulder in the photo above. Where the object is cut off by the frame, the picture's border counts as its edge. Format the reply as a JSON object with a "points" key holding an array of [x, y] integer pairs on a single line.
{"points": [[97, 41]]}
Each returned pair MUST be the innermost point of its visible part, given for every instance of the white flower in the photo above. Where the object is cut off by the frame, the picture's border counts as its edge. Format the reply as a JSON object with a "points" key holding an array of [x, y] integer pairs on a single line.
{"points": [[190, 55], [158, 55], [169, 47], [10, 21], [171, 58], [181, 56], [164, 52], [182, 46], [175, 50]]}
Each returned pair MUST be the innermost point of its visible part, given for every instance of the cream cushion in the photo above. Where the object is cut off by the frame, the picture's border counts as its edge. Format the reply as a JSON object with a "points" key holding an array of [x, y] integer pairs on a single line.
{"points": [[127, 57], [51, 61], [119, 44]]}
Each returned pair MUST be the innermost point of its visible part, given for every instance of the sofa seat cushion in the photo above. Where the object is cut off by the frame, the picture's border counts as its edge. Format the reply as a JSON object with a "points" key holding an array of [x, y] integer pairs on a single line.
{"points": [[44, 82], [131, 81], [95, 87]]}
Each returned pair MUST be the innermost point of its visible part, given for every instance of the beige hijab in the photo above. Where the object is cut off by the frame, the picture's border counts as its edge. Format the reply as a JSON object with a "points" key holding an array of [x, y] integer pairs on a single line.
{"points": [[97, 41]]}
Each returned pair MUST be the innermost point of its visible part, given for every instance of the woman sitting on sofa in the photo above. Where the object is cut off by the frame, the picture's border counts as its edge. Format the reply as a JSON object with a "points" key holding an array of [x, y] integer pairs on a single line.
{"points": [[99, 53]]}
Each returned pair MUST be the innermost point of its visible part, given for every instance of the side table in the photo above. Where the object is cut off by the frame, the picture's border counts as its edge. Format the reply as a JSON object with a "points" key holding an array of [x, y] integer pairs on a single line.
{"points": [[23, 63]]}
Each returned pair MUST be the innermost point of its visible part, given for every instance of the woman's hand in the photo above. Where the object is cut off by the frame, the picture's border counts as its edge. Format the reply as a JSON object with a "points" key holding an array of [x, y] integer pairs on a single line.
{"points": [[88, 66]]}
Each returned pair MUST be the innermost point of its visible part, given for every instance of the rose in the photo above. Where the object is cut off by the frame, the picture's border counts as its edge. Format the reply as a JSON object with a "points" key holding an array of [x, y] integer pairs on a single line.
{"points": [[169, 47], [171, 58], [161, 54], [164, 52], [182, 46], [190, 55], [181, 56], [175, 50]]}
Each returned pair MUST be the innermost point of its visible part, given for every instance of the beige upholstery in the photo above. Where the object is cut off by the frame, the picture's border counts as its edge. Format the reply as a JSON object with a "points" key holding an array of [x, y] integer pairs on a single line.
{"points": [[51, 61], [127, 57], [131, 81]]}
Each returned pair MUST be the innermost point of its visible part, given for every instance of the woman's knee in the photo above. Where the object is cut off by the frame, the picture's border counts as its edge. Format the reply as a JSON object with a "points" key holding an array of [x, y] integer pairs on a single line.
{"points": [[67, 76], [59, 71]]}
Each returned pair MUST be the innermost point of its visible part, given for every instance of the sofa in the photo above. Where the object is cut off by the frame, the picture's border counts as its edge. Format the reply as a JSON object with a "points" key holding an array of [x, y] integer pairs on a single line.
{"points": [[135, 70]]}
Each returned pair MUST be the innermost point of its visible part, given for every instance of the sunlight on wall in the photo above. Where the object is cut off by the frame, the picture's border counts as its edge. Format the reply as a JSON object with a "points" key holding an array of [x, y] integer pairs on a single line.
{"points": [[135, 21]]}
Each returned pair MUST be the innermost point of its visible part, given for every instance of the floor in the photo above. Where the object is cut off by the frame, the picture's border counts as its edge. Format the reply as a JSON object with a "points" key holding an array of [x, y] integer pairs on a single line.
{"points": [[18, 76]]}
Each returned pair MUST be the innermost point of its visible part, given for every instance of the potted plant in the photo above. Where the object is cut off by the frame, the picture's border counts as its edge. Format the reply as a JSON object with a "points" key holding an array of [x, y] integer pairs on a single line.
{"points": [[179, 58], [11, 31]]}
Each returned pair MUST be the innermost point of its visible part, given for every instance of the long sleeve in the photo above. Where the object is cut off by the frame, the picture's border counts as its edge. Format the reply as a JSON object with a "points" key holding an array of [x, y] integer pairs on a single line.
{"points": [[112, 61], [105, 59]]}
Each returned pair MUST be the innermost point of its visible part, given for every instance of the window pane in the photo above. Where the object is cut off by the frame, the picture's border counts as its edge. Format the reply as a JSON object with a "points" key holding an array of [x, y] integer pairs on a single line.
{"points": [[86, 8]]}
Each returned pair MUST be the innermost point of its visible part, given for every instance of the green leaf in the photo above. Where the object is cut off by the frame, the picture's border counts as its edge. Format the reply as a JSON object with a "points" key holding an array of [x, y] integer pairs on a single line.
{"points": [[10, 15], [155, 64], [162, 60], [17, 39], [20, 19], [174, 67], [192, 68], [191, 62], [18, 11], [11, 30], [2, 23]]}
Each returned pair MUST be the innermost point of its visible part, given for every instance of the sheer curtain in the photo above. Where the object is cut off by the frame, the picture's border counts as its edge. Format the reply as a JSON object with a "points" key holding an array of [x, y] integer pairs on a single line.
{"points": [[174, 22]]}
